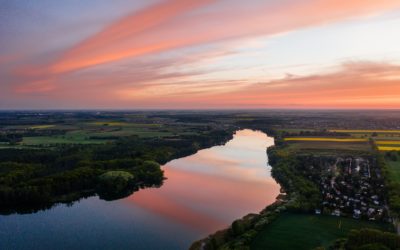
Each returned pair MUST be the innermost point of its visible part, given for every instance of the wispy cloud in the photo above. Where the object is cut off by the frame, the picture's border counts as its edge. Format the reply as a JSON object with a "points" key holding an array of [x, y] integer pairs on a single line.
{"points": [[174, 23], [140, 56], [355, 84]]}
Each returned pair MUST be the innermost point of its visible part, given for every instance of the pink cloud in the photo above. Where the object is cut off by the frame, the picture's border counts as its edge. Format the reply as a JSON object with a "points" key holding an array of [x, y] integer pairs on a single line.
{"points": [[175, 23], [355, 85], [36, 87]]}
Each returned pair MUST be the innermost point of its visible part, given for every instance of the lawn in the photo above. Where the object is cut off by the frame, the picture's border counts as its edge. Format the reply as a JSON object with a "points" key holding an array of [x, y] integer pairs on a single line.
{"points": [[300, 231], [394, 167]]}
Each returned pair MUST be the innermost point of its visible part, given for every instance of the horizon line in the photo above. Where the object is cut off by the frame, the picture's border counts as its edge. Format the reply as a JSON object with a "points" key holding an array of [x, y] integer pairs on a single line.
{"points": [[195, 109]]}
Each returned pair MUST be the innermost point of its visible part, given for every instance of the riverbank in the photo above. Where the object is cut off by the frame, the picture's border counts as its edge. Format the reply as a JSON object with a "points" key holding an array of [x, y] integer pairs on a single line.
{"points": [[301, 176], [32, 180], [192, 202]]}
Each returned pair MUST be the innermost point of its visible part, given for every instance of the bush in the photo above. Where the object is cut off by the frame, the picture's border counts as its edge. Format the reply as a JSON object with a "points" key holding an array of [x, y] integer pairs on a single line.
{"points": [[115, 184], [369, 238]]}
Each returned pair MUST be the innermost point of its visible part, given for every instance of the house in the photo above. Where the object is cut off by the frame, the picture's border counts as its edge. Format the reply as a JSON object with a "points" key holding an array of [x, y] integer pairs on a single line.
{"points": [[356, 214], [336, 212]]}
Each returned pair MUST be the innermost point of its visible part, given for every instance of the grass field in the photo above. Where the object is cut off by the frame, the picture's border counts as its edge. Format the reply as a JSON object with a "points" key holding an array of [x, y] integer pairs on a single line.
{"points": [[108, 123], [387, 142], [327, 146], [394, 167], [89, 137], [122, 124], [327, 139], [98, 132], [42, 126], [46, 140], [295, 130], [299, 231], [318, 146], [365, 131], [133, 131]]}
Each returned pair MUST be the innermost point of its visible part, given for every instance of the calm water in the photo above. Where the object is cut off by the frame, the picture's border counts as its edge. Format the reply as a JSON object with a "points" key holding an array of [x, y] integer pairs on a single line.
{"points": [[203, 193]]}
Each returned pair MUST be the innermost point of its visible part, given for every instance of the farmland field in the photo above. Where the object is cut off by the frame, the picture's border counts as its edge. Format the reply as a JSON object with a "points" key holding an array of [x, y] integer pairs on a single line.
{"points": [[394, 167], [318, 145], [46, 140], [308, 231], [325, 139], [108, 123], [388, 148], [327, 145], [365, 131], [295, 130], [91, 132], [387, 142], [388, 145], [42, 126]]}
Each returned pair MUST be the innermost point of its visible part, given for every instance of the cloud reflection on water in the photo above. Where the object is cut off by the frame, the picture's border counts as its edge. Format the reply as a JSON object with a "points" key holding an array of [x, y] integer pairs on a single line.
{"points": [[208, 190]]}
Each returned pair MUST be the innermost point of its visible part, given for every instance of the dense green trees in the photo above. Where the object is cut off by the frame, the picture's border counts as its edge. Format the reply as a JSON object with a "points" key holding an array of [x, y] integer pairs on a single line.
{"points": [[287, 171], [372, 239], [115, 184], [32, 178], [392, 155], [391, 183]]}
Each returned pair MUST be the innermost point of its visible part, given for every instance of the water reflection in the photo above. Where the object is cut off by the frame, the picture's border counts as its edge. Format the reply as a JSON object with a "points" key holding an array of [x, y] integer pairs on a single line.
{"points": [[208, 190], [203, 193]]}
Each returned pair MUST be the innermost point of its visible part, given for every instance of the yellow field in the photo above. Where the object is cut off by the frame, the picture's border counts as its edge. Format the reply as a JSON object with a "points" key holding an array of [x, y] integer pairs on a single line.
{"points": [[325, 139], [365, 131], [42, 126], [387, 142], [100, 123], [385, 148], [112, 123]]}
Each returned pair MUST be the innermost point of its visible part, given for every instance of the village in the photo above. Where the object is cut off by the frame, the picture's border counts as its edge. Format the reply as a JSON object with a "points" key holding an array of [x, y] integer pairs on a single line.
{"points": [[352, 187]]}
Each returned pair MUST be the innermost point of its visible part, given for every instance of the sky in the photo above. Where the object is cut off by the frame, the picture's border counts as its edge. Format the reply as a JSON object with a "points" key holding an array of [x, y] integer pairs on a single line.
{"points": [[200, 54]]}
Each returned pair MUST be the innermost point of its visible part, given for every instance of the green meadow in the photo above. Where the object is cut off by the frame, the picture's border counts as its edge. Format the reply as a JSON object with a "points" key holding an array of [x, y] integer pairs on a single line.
{"points": [[394, 168], [93, 132], [304, 232]]}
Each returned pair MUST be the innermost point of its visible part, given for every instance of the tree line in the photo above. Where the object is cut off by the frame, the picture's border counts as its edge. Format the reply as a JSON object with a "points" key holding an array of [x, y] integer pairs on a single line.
{"points": [[32, 178]]}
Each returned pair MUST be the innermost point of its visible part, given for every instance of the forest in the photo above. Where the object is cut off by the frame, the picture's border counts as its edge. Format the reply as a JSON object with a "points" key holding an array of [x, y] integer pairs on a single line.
{"points": [[37, 177]]}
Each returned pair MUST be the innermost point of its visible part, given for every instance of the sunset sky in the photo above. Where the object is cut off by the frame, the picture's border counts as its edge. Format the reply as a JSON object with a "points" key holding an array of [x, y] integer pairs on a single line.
{"points": [[201, 54]]}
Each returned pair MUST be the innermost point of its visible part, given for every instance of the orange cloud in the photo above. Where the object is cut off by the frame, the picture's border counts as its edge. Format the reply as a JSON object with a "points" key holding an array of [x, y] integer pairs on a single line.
{"points": [[356, 85], [39, 86], [105, 46], [176, 24], [171, 24]]}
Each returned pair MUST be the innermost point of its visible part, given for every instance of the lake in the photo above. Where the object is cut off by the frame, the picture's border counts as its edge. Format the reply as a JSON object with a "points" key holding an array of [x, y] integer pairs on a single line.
{"points": [[203, 193]]}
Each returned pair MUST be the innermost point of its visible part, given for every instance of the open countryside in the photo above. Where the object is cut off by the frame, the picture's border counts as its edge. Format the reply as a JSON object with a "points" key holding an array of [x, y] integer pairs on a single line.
{"points": [[200, 125], [325, 139]]}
